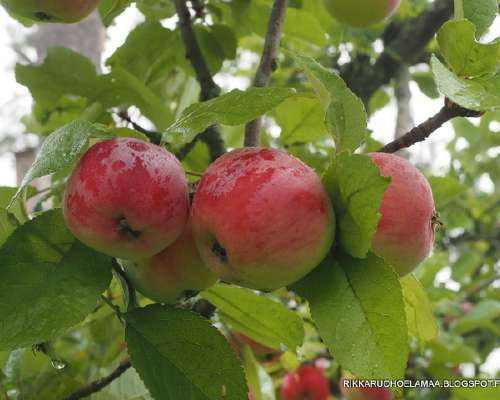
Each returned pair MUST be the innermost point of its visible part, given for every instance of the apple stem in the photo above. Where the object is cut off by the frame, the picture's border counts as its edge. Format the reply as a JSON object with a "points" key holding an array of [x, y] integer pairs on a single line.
{"points": [[459, 9]]}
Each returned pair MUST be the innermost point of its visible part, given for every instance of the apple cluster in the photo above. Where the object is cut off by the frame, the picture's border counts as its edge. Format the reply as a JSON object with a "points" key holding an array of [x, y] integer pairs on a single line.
{"points": [[260, 218]]}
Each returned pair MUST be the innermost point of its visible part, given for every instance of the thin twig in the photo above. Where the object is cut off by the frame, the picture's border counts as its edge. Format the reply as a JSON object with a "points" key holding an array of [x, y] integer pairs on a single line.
{"points": [[209, 89], [114, 307], [99, 384], [268, 64], [153, 136], [478, 287], [423, 131]]}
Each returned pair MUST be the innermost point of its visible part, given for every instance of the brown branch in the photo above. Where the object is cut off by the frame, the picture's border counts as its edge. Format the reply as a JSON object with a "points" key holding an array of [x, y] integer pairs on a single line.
{"points": [[209, 89], [268, 64], [404, 42], [99, 384], [153, 136], [421, 132], [471, 292]]}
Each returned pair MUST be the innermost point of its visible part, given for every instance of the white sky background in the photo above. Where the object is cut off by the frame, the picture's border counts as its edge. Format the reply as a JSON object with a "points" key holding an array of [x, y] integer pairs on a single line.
{"points": [[15, 101]]}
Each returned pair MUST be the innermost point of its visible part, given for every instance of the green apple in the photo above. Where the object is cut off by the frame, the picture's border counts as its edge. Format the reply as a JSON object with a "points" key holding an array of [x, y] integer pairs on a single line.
{"points": [[65, 11], [361, 13]]}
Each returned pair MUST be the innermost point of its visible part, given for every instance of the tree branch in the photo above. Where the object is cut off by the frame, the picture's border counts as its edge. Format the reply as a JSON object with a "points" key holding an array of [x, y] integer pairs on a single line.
{"points": [[153, 136], [99, 384], [404, 42], [268, 64], [421, 132], [209, 89]]}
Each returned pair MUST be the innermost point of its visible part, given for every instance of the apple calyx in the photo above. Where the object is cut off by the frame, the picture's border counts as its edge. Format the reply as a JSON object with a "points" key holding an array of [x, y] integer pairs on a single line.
{"points": [[126, 229]]}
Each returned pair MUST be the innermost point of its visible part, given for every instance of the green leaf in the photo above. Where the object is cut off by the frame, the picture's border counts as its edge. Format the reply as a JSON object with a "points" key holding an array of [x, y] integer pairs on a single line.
{"points": [[110, 9], [303, 25], [426, 84], [379, 100], [147, 62], [258, 317], [7, 224], [478, 94], [445, 189], [42, 239], [234, 108], [484, 315], [357, 190], [301, 120], [345, 112], [419, 312], [482, 13], [45, 288], [466, 56], [156, 9], [179, 355], [464, 268], [451, 349], [65, 72], [359, 310], [58, 151], [259, 381]]}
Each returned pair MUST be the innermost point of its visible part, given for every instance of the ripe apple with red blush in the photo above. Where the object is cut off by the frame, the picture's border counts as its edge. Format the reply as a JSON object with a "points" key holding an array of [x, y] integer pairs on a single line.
{"points": [[306, 383], [261, 218], [405, 233], [127, 198], [175, 272]]}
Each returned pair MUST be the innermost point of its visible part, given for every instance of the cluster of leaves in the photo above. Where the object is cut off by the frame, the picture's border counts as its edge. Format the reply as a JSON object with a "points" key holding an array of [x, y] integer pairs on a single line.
{"points": [[352, 310]]}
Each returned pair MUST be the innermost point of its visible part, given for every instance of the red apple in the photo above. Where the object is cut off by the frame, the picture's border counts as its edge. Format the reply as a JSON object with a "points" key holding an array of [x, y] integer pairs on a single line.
{"points": [[261, 218], [127, 198], [307, 383], [51, 10], [467, 307], [173, 273], [365, 393], [361, 13], [405, 233]]}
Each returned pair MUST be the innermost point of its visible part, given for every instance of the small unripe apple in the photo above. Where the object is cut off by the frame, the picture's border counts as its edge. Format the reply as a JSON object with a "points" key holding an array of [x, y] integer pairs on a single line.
{"points": [[306, 383], [361, 13], [175, 272], [261, 218], [65, 11], [405, 233], [127, 198], [365, 393]]}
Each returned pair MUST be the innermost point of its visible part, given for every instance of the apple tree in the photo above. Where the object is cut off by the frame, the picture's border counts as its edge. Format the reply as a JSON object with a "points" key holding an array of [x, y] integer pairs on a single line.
{"points": [[226, 220]]}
